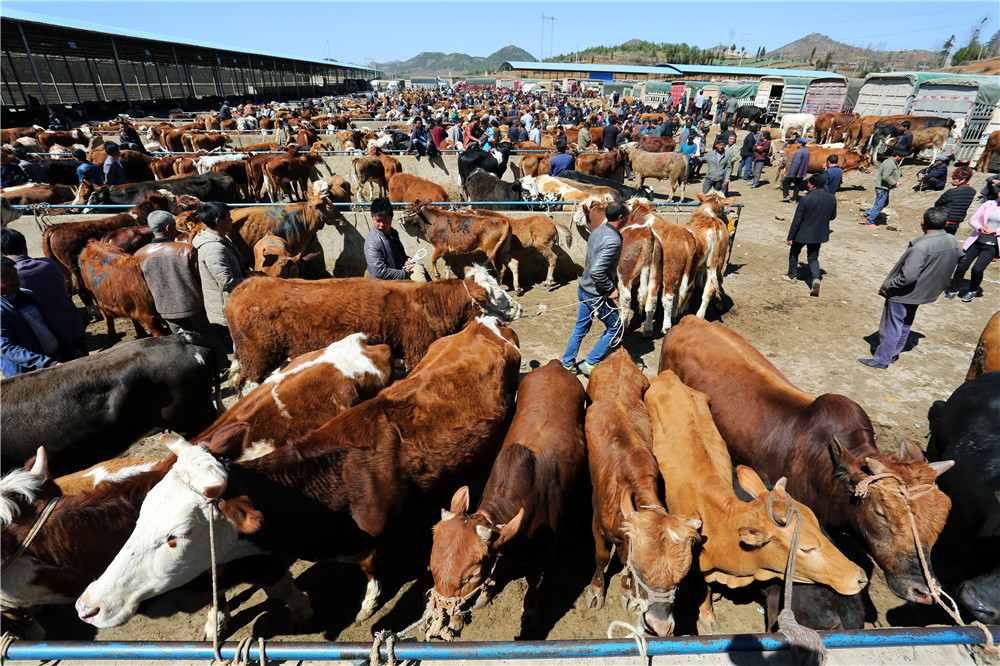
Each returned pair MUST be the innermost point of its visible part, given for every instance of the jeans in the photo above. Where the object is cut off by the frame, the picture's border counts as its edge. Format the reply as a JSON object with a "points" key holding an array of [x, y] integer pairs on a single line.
{"points": [[607, 312], [893, 330], [881, 201], [745, 168], [979, 255], [812, 257]]}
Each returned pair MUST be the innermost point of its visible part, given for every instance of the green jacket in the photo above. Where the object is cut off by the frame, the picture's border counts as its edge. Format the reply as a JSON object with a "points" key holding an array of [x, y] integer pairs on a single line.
{"points": [[888, 175]]}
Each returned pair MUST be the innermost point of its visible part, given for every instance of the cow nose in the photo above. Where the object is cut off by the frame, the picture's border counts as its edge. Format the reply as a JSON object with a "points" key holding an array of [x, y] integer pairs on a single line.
{"points": [[660, 627], [862, 581], [920, 594], [84, 611]]}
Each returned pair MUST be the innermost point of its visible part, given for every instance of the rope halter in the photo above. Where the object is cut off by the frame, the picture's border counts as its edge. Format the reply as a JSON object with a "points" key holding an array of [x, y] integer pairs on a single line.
{"points": [[33, 532], [440, 609]]}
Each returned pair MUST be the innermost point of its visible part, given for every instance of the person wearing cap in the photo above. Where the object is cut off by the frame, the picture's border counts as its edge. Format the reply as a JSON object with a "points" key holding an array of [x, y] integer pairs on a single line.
{"points": [[958, 199], [87, 170], [834, 174], [935, 176], [888, 176], [225, 113], [904, 143], [797, 171], [114, 172], [810, 229], [34, 170], [597, 291], [718, 166], [171, 270], [384, 251]]}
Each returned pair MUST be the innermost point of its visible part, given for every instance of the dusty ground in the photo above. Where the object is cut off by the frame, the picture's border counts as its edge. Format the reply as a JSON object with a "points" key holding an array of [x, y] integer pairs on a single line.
{"points": [[814, 341]]}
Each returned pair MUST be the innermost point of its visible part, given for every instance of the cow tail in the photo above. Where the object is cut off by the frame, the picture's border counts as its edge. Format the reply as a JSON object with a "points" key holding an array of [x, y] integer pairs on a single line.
{"points": [[563, 235]]}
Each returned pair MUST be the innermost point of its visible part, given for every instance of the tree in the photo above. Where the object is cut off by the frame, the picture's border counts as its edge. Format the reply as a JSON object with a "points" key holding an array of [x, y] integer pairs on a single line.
{"points": [[762, 51], [946, 49], [812, 54]]}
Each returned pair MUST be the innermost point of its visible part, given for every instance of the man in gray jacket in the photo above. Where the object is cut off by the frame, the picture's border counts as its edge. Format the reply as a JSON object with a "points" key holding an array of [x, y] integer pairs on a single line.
{"points": [[919, 276], [888, 177], [718, 166], [597, 291], [384, 252]]}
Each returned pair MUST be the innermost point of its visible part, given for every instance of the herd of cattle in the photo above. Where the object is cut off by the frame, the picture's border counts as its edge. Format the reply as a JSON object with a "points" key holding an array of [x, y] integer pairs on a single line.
{"points": [[700, 476]]}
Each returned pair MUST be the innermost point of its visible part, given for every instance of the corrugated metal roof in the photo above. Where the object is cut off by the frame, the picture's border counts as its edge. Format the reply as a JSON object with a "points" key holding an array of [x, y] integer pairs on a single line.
{"points": [[587, 67], [7, 13], [749, 71]]}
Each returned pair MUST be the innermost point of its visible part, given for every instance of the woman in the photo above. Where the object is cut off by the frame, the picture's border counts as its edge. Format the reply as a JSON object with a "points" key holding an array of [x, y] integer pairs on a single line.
{"points": [[958, 199], [980, 249], [760, 157]]}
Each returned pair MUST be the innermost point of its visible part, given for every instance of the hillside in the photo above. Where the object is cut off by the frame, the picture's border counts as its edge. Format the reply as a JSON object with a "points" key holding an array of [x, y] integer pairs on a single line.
{"points": [[435, 63], [817, 47]]}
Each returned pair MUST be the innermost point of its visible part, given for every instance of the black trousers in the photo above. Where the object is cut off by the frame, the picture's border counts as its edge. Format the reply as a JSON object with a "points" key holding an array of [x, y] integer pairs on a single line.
{"points": [[978, 257], [796, 183], [812, 257]]}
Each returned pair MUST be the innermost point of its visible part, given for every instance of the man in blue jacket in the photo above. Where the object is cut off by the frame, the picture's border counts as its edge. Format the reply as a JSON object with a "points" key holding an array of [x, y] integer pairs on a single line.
{"points": [[597, 291], [834, 174], [796, 174], [28, 338], [114, 172]]}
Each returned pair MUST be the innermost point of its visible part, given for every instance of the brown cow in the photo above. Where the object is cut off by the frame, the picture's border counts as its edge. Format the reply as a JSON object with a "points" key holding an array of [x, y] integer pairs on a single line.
{"points": [[50, 138], [991, 148], [657, 144], [825, 446], [987, 355], [540, 232], [273, 319], [272, 258], [238, 171], [538, 466], [336, 189], [604, 165], [208, 142], [389, 163], [291, 170], [369, 170], [933, 138], [462, 233], [848, 160], [297, 225], [138, 167], [535, 165], [655, 547], [26, 195], [116, 281], [268, 147], [405, 188], [11, 134], [742, 541], [255, 170], [832, 127], [129, 239]]}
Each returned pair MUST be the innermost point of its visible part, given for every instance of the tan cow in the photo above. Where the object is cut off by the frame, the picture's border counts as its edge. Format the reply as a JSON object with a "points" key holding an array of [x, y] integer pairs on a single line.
{"points": [[661, 166], [462, 233], [711, 231], [540, 232], [405, 188], [271, 257]]}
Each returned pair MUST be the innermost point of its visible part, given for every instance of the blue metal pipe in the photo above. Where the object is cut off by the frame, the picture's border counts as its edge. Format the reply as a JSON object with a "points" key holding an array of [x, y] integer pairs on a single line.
{"points": [[571, 649], [400, 204]]}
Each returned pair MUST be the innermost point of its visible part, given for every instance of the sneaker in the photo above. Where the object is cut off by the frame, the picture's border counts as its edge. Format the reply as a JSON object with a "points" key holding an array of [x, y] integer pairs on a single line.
{"points": [[969, 295], [872, 363], [787, 278], [585, 368], [572, 368], [815, 288], [950, 294], [871, 226], [864, 219], [785, 200]]}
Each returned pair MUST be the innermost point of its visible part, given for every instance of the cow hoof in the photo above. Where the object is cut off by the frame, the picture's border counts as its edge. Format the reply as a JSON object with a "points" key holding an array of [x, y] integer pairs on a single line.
{"points": [[647, 334], [363, 614], [519, 292], [528, 619], [594, 598], [630, 604], [706, 628]]}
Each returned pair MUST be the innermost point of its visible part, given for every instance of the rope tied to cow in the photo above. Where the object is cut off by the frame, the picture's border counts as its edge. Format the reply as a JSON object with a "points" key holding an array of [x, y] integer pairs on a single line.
{"points": [[242, 656], [440, 609], [213, 505], [632, 632], [799, 637], [908, 494], [33, 532], [5, 642], [41, 212]]}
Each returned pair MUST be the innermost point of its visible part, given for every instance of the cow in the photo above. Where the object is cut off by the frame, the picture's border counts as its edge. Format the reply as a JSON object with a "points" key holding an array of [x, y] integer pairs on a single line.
{"points": [[535, 165], [208, 162], [963, 429], [830, 127], [298, 225], [291, 170], [108, 400], [49, 138], [743, 541], [391, 165], [129, 239], [710, 227], [825, 446], [847, 159], [207, 187], [272, 258], [65, 557], [494, 161], [365, 476], [273, 319], [336, 189], [238, 171], [405, 188], [484, 186], [624, 191], [65, 242], [929, 138], [208, 142], [657, 144], [138, 167], [599, 192], [255, 170], [891, 126], [654, 547], [661, 166], [11, 134], [749, 114], [540, 232], [986, 357], [367, 170], [603, 165], [522, 506], [27, 195], [462, 233], [547, 188], [802, 123], [991, 148]]}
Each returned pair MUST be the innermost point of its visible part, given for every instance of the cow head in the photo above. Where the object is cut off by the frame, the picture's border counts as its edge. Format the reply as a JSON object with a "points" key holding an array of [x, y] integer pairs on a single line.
{"points": [[462, 560], [100, 196], [529, 188], [283, 266], [170, 544], [882, 515], [765, 536], [659, 556], [413, 211], [487, 293]]}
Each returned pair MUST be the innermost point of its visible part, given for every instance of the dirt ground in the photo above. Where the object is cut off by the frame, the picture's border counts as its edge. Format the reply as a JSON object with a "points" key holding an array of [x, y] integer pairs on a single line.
{"points": [[814, 341]]}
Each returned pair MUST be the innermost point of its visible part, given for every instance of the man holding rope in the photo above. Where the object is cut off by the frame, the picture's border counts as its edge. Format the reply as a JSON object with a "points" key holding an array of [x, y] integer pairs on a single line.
{"points": [[597, 292], [383, 250]]}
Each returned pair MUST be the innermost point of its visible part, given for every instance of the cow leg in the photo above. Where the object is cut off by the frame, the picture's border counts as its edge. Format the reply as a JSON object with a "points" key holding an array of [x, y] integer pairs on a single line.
{"points": [[372, 590], [707, 622], [668, 301], [550, 256], [514, 274], [217, 617], [593, 596], [434, 262], [625, 304], [298, 603], [530, 609], [140, 332], [109, 320]]}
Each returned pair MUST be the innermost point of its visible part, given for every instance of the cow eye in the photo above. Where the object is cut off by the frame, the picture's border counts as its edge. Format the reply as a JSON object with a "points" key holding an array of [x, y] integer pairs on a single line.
{"points": [[880, 513], [172, 542]]}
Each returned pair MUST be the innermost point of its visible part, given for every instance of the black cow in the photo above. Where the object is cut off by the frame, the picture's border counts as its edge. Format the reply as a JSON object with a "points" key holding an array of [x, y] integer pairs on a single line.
{"points": [[888, 128], [646, 192], [91, 409], [966, 429], [61, 172], [483, 186], [751, 114], [207, 187], [470, 160]]}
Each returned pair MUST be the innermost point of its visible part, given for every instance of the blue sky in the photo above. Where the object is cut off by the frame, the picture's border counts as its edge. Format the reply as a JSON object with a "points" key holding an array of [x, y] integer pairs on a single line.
{"points": [[360, 31]]}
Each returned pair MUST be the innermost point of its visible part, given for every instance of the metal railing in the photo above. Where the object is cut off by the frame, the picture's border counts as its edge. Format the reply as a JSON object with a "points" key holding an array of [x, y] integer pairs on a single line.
{"points": [[398, 204]]}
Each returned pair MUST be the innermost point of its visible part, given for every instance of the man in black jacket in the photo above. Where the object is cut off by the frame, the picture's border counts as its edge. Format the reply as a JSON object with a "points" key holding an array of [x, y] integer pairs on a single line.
{"points": [[904, 144], [810, 228]]}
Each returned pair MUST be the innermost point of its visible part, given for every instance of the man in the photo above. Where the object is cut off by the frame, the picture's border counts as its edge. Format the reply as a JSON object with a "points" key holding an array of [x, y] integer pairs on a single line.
{"points": [[455, 134], [746, 154], [690, 151], [535, 134], [934, 177], [418, 139], [904, 143], [796, 174], [11, 174], [528, 121], [29, 337], [610, 134], [384, 252], [919, 277], [888, 177], [834, 174], [221, 270], [597, 292], [732, 105], [561, 161], [87, 170], [57, 122], [130, 138], [725, 131], [44, 279], [114, 172], [225, 113], [810, 228], [699, 106], [34, 170], [583, 138], [719, 165]]}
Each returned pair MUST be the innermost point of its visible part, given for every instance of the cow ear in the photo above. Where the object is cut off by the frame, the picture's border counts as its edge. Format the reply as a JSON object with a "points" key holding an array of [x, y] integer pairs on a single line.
{"points": [[40, 468], [508, 531], [460, 500], [942, 466], [269, 260], [701, 197], [626, 506], [174, 442], [750, 481], [876, 466], [241, 513], [845, 465], [730, 201], [753, 537], [909, 450]]}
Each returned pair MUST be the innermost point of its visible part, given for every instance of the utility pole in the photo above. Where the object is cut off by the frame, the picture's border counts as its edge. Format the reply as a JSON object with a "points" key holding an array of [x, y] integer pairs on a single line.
{"points": [[541, 42], [552, 32]]}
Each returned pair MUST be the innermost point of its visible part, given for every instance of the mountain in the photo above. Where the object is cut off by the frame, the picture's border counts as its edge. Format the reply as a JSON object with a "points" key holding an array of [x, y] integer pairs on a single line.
{"points": [[815, 47], [436, 63]]}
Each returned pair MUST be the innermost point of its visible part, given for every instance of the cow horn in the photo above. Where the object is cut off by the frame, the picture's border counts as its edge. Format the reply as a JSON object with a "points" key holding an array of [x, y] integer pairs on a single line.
{"points": [[174, 442], [484, 533], [41, 467], [876, 466], [942, 466]]}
